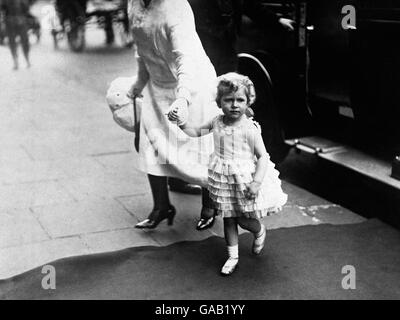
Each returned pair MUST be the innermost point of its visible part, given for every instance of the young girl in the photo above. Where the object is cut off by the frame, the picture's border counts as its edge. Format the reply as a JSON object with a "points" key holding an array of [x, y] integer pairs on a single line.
{"points": [[242, 180]]}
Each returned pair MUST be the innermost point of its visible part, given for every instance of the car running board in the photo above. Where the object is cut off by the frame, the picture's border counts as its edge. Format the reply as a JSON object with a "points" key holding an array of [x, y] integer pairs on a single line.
{"points": [[348, 157]]}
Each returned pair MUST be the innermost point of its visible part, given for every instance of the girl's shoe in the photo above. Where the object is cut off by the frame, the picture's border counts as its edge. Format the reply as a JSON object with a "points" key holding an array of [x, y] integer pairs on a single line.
{"points": [[206, 223], [229, 266], [156, 216], [259, 241]]}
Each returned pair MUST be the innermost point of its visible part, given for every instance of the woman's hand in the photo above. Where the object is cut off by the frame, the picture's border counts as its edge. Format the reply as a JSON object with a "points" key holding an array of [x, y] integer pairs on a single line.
{"points": [[252, 190], [134, 91], [179, 111]]}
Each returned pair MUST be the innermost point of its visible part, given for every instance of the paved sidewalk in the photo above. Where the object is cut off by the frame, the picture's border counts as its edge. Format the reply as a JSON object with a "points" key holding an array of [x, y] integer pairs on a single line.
{"points": [[68, 183]]}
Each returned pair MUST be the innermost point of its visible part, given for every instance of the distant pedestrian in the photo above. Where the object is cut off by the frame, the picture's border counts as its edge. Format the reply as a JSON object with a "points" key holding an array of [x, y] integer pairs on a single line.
{"points": [[242, 180], [16, 15]]}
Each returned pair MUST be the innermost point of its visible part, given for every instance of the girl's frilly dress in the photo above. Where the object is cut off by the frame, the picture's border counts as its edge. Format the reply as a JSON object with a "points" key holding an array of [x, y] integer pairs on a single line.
{"points": [[232, 166]]}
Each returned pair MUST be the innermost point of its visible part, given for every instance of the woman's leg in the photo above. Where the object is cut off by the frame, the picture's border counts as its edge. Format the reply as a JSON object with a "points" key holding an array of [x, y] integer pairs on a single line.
{"points": [[159, 190], [207, 215], [232, 242], [162, 208], [207, 203]]}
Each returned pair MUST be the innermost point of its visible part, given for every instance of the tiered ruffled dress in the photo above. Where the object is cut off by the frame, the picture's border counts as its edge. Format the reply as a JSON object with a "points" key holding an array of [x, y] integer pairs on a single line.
{"points": [[232, 166]]}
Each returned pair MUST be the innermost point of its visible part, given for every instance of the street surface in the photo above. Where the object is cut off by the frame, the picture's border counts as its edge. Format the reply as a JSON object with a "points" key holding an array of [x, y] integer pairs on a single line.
{"points": [[68, 182]]}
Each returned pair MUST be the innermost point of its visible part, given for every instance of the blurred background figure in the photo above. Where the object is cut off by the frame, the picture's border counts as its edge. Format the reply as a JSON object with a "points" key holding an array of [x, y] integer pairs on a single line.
{"points": [[73, 16], [129, 39], [51, 21], [2, 27], [70, 8], [106, 9], [108, 27], [16, 20], [70, 19]]}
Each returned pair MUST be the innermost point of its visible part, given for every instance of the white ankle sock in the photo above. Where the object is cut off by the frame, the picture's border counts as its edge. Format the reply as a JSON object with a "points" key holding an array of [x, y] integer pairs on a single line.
{"points": [[233, 251]]}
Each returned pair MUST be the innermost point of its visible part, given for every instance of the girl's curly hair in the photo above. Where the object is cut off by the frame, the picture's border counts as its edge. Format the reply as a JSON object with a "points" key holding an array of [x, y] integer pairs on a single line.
{"points": [[231, 82]]}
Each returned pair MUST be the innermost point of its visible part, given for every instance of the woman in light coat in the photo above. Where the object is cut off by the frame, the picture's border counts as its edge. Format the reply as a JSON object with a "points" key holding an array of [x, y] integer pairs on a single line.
{"points": [[174, 73]]}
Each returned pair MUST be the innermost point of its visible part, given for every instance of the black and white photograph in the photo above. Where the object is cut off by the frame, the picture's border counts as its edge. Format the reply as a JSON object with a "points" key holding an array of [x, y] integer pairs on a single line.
{"points": [[199, 155]]}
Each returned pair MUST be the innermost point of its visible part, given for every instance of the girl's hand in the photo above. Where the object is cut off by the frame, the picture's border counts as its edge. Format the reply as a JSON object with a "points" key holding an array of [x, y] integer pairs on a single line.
{"points": [[252, 190], [173, 115]]}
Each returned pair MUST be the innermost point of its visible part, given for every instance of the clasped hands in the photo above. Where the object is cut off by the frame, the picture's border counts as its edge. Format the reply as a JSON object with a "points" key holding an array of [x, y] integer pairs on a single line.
{"points": [[178, 111]]}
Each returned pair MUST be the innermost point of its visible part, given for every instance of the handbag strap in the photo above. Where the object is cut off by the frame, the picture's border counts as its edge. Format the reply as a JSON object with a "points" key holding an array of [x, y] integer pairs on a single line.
{"points": [[137, 124], [135, 110]]}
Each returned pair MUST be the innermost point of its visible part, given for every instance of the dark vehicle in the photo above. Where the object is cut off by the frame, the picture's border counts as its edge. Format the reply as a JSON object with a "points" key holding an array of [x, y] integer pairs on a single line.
{"points": [[75, 15], [331, 87]]}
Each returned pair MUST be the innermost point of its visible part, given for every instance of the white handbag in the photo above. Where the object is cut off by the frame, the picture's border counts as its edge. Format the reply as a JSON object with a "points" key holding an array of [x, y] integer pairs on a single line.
{"points": [[126, 112]]}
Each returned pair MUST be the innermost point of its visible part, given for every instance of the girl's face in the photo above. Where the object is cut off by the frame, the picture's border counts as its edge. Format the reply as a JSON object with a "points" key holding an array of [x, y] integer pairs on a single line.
{"points": [[234, 104]]}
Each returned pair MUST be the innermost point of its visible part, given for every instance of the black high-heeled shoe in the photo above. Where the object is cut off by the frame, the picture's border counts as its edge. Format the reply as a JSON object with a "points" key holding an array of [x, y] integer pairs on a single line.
{"points": [[206, 223], [156, 216]]}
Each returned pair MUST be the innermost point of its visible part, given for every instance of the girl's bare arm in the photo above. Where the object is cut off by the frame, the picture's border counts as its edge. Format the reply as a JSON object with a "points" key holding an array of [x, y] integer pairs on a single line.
{"points": [[262, 159], [196, 131], [257, 145]]}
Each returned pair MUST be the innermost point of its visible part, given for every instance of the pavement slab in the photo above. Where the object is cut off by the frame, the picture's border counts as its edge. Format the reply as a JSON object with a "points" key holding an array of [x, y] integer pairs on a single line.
{"points": [[11, 153], [25, 171], [74, 147], [83, 217], [27, 195], [119, 162], [104, 186], [19, 227], [79, 167]]}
